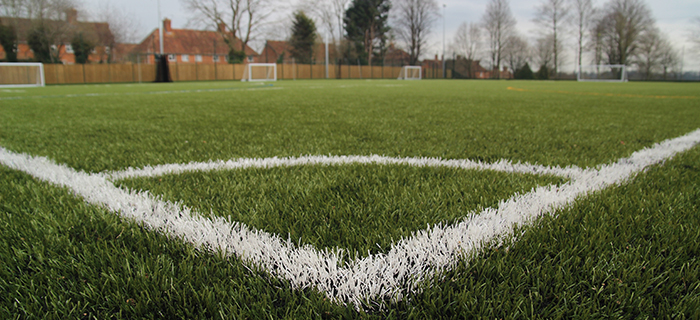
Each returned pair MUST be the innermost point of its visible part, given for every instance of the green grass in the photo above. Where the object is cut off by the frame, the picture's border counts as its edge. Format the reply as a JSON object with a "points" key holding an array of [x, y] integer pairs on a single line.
{"points": [[361, 208], [624, 252], [448, 119]]}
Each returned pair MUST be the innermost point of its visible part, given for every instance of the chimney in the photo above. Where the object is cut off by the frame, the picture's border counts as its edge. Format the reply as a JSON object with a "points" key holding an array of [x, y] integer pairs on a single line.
{"points": [[167, 25], [71, 15], [221, 27]]}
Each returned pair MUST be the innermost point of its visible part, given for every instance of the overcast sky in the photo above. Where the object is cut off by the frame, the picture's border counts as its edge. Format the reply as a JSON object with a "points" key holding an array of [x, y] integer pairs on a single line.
{"points": [[673, 17]]}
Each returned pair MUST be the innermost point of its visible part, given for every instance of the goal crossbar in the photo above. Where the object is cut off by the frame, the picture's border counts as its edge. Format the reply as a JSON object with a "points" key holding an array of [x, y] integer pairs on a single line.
{"points": [[602, 73], [260, 72], [21, 74]]}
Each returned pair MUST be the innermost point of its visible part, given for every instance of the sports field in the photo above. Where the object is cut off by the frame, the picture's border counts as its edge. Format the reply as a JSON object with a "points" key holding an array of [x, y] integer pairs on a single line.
{"points": [[350, 199]]}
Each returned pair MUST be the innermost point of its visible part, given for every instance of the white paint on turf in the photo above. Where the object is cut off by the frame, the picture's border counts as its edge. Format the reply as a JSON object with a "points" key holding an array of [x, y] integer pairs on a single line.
{"points": [[570, 172], [384, 276]]}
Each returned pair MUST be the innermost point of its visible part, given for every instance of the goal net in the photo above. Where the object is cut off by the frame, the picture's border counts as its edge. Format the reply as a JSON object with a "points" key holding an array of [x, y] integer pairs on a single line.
{"points": [[260, 72], [410, 73], [603, 73], [14, 74]]}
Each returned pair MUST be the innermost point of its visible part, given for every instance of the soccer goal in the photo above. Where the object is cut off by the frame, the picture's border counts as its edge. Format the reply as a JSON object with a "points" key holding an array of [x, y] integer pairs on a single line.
{"points": [[28, 74], [603, 73], [260, 72], [410, 73]]}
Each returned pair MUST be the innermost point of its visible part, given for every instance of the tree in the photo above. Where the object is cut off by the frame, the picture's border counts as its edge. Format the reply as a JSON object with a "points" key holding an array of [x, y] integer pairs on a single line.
{"points": [[517, 52], [669, 59], [413, 23], [544, 55], [235, 20], [582, 17], [467, 43], [366, 27], [649, 52], [330, 13], [303, 38], [524, 73], [49, 29], [551, 15], [41, 45], [499, 23], [8, 41], [81, 47], [621, 27], [695, 34]]}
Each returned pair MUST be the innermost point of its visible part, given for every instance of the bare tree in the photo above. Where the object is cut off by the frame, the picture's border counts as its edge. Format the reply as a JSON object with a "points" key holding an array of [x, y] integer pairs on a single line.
{"points": [[621, 27], [237, 21], [695, 34], [517, 52], [669, 60], [414, 20], [121, 23], [467, 43], [551, 15], [649, 54], [544, 55], [330, 13], [582, 17], [499, 23]]}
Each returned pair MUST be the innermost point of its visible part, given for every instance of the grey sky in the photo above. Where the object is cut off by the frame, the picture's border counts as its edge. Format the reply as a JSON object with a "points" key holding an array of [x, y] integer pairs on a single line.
{"points": [[673, 17]]}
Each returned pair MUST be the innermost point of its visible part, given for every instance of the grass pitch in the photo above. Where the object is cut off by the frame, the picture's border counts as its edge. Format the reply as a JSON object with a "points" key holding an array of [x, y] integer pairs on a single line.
{"points": [[628, 251]]}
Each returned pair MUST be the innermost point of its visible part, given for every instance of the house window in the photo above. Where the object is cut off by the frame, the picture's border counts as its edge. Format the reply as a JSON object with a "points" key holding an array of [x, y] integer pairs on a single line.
{"points": [[185, 58], [198, 58], [171, 58], [106, 49], [250, 58], [216, 58], [69, 48]]}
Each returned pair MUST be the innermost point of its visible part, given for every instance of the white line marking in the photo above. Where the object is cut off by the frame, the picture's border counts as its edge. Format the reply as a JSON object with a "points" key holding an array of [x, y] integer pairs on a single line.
{"points": [[570, 172], [267, 87], [392, 275]]}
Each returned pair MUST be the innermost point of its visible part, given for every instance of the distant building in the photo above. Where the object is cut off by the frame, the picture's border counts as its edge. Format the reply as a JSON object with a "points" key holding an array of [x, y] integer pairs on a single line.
{"points": [[189, 46], [97, 32], [280, 52]]}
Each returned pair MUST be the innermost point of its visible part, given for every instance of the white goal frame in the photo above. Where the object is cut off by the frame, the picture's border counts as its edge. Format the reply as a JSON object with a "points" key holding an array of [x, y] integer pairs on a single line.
{"points": [[248, 72], [404, 73], [7, 77], [623, 72]]}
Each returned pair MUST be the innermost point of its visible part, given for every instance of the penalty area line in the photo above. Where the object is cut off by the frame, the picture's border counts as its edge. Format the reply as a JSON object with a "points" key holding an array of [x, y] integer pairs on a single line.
{"points": [[392, 275]]}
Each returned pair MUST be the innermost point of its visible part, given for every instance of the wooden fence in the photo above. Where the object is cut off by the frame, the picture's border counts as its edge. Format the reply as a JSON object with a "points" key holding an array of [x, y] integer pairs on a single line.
{"points": [[115, 73]]}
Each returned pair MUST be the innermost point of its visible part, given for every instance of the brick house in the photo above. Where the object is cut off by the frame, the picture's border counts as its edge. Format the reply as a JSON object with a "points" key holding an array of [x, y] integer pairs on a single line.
{"points": [[96, 32], [188, 46]]}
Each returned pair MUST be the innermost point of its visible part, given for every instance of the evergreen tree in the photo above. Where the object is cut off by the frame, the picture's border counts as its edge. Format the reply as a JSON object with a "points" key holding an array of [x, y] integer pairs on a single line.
{"points": [[303, 38], [525, 72], [40, 44], [8, 41], [367, 28], [81, 48]]}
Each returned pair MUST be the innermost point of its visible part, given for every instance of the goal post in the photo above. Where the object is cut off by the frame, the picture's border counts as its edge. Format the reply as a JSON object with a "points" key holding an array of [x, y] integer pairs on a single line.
{"points": [[21, 74], [410, 73], [260, 72], [602, 73]]}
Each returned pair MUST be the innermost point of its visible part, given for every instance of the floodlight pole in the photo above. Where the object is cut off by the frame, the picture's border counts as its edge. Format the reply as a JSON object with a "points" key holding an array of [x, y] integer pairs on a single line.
{"points": [[444, 74], [160, 29], [326, 56]]}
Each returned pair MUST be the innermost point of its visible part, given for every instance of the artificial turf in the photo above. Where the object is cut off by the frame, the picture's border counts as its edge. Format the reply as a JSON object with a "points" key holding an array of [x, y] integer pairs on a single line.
{"points": [[628, 251]]}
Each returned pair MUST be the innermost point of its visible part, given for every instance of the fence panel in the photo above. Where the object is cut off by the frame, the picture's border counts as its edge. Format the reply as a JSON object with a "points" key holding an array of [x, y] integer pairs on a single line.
{"points": [[121, 73], [128, 72], [95, 73]]}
